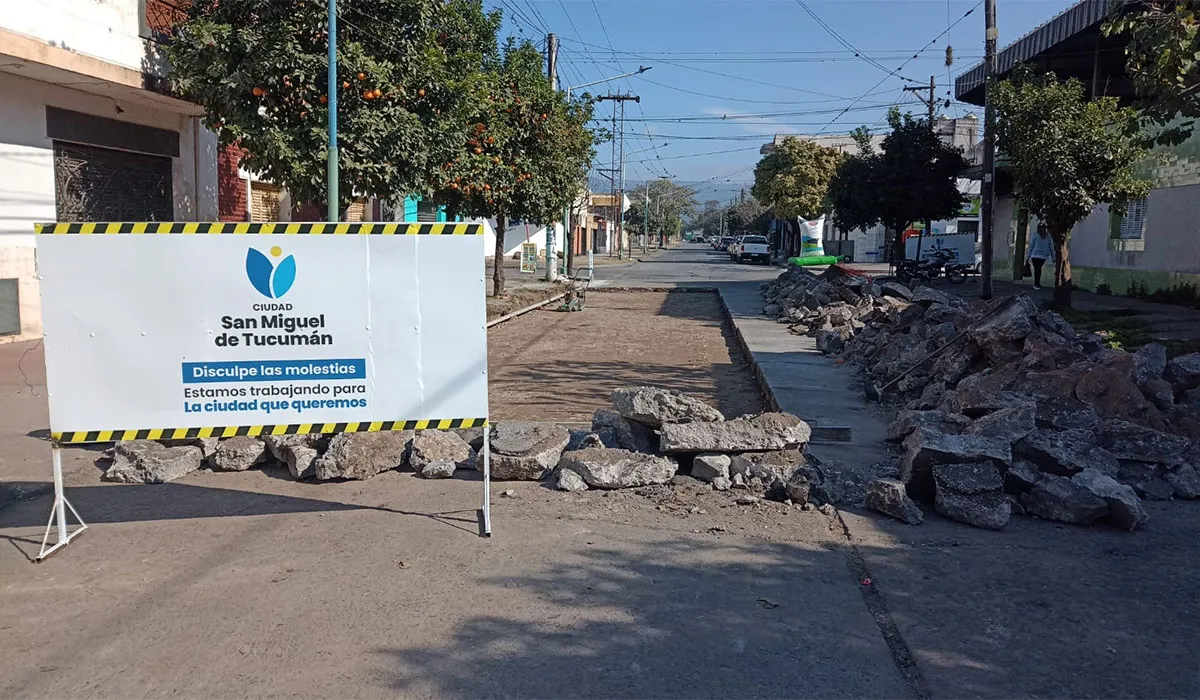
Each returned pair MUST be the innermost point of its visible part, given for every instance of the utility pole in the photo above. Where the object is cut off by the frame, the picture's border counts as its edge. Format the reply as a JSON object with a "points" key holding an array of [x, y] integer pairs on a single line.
{"points": [[620, 164], [987, 188], [331, 166], [646, 217], [552, 71], [931, 103]]}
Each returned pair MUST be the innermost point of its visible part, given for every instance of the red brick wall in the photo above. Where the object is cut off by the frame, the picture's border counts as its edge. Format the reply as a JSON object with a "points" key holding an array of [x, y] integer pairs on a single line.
{"points": [[231, 189]]}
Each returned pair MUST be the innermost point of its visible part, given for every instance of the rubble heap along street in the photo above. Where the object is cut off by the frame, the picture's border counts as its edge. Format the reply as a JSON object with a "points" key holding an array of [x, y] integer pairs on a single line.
{"points": [[651, 436], [1015, 412]]}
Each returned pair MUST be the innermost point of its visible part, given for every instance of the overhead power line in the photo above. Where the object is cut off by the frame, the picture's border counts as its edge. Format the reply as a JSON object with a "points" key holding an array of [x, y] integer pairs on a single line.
{"points": [[741, 78], [918, 53], [841, 40]]}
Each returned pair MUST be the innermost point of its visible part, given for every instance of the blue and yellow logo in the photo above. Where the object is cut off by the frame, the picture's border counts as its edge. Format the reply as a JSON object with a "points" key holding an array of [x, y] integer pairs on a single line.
{"points": [[270, 279]]}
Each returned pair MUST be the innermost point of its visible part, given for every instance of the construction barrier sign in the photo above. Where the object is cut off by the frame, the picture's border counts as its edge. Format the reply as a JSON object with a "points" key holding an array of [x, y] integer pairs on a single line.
{"points": [[181, 330]]}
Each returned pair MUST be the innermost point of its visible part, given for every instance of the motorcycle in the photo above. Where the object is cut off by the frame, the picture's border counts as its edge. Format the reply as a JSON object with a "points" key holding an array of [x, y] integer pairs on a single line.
{"points": [[911, 272]]}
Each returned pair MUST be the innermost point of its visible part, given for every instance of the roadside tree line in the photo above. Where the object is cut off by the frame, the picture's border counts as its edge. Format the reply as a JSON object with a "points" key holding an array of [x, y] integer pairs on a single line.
{"points": [[429, 102], [1067, 154]]}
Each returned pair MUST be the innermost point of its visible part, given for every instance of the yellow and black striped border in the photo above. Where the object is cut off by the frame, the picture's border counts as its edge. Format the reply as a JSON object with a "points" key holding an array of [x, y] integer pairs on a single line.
{"points": [[82, 436], [254, 229]]}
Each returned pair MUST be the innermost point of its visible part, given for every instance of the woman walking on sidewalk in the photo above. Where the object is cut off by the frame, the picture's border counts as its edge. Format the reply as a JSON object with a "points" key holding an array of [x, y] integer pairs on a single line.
{"points": [[1041, 249]]}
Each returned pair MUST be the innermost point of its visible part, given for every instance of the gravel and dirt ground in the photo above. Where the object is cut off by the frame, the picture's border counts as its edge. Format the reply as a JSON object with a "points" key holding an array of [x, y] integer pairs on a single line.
{"points": [[551, 365]]}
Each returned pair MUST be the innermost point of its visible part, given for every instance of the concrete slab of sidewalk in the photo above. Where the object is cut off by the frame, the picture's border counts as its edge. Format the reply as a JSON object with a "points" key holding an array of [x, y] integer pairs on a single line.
{"points": [[800, 380]]}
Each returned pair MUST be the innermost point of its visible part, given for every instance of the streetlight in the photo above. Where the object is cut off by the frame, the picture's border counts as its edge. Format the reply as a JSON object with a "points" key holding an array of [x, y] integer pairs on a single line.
{"points": [[569, 238]]}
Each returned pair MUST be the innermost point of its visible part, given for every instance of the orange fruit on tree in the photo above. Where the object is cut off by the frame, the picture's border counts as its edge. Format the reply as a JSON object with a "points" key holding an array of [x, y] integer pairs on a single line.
{"points": [[362, 76], [324, 99], [478, 150], [377, 92], [258, 92], [367, 94], [345, 83], [421, 92]]}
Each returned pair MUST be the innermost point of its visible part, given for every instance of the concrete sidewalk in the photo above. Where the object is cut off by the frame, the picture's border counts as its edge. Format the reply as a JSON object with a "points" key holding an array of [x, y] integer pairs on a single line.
{"points": [[798, 379]]}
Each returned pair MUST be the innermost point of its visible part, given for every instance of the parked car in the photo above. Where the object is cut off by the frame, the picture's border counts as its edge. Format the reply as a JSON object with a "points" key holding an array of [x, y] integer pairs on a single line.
{"points": [[752, 249], [722, 243], [733, 246], [698, 239]]}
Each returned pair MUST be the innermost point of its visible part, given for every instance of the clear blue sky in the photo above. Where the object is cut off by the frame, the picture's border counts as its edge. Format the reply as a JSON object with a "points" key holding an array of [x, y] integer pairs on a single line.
{"points": [[812, 76]]}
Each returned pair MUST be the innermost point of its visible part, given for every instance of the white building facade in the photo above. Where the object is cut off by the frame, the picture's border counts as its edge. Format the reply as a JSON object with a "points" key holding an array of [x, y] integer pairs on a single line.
{"points": [[86, 134]]}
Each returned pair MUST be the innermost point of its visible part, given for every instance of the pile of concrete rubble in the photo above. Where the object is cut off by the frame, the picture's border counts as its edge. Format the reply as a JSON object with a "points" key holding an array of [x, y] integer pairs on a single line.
{"points": [[652, 436], [1019, 413]]}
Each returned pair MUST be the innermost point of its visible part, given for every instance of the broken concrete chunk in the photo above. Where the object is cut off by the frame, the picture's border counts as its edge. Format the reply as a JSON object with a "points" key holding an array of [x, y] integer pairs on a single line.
{"points": [[888, 496], [1149, 362], [147, 462], [1021, 477], [908, 421], [1127, 440], [569, 480], [1184, 372], [607, 468], [362, 455], [1065, 414], [1124, 507], [707, 467], [926, 448], [617, 431], [929, 295], [897, 290], [971, 494], [1009, 424], [1160, 392], [1009, 325], [797, 488], [298, 452], [653, 406], [777, 464], [525, 450], [1184, 481], [1065, 452], [237, 454], [722, 484], [831, 342], [1063, 500], [435, 446], [769, 431]]}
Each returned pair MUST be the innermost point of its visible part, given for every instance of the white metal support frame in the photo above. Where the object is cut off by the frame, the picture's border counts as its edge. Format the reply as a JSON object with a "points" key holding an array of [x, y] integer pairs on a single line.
{"points": [[58, 514], [487, 480]]}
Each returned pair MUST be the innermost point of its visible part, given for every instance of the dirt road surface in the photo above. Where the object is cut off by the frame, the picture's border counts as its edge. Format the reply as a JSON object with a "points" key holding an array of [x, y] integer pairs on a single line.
{"points": [[551, 365]]}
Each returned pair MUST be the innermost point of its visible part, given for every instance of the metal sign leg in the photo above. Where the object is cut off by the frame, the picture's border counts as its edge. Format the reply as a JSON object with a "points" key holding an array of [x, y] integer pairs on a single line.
{"points": [[487, 481], [58, 515]]}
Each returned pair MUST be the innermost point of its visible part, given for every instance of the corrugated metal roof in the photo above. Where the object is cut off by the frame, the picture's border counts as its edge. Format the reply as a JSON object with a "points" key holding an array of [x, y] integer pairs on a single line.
{"points": [[1074, 20]]}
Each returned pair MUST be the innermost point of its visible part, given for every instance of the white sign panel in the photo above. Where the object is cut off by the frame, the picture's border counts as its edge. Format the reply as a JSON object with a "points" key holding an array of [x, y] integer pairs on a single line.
{"points": [[152, 332]]}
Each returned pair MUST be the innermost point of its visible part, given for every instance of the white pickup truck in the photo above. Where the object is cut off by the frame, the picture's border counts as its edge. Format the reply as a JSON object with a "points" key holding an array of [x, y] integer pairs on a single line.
{"points": [[751, 249]]}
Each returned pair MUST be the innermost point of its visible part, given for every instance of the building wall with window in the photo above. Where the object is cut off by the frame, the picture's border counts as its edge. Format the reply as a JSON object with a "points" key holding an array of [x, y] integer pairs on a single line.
{"points": [[1154, 246]]}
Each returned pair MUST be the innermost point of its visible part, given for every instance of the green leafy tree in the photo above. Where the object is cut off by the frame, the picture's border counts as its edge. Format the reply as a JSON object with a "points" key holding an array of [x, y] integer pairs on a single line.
{"points": [[851, 193], [793, 179], [708, 218], [670, 205], [523, 147], [258, 67], [914, 177], [747, 216], [1068, 155], [1163, 60]]}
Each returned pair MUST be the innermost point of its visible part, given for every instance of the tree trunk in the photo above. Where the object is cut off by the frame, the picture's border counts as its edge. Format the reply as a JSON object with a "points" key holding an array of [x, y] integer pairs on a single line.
{"points": [[498, 263], [1062, 270]]}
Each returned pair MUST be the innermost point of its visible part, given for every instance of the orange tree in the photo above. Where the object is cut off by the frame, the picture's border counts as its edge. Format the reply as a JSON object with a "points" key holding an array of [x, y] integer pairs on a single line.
{"points": [[524, 149], [258, 67]]}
